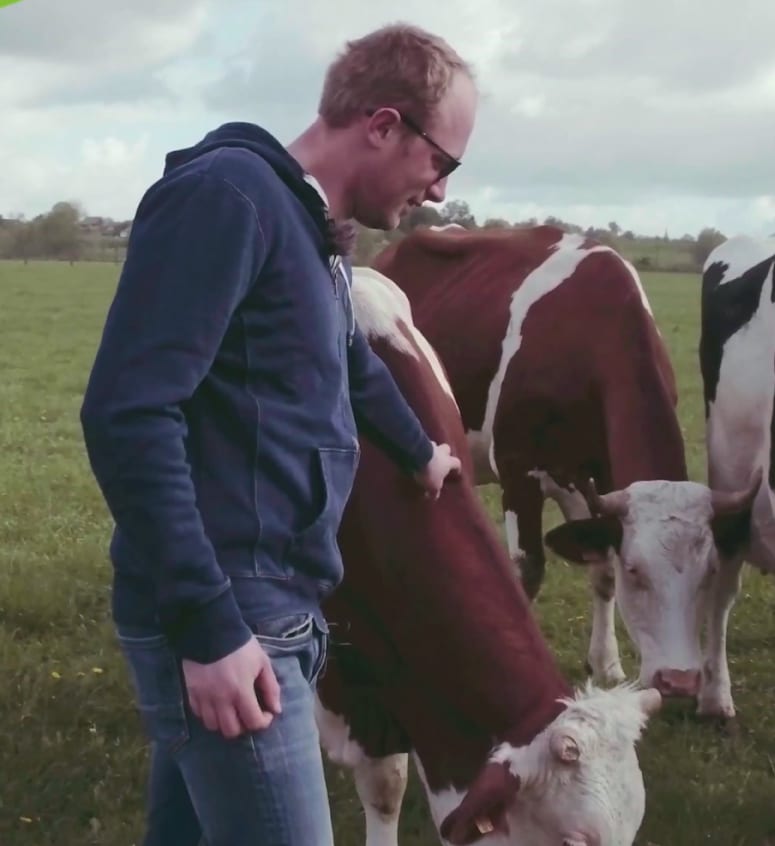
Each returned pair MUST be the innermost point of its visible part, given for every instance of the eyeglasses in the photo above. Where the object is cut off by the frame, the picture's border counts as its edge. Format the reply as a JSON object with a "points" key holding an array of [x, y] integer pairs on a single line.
{"points": [[449, 162]]}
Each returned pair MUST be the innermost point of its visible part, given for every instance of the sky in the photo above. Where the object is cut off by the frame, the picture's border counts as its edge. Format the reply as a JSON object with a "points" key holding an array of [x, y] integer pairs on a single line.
{"points": [[656, 114]]}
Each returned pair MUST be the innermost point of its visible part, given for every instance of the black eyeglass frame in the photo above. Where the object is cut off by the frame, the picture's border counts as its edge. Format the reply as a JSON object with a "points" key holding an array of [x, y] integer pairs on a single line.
{"points": [[451, 164]]}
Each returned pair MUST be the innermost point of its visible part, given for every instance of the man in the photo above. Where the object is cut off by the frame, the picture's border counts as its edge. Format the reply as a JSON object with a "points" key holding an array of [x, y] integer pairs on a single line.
{"points": [[220, 422]]}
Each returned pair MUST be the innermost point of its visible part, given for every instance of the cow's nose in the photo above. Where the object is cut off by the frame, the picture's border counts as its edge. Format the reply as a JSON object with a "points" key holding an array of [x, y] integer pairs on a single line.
{"points": [[673, 683]]}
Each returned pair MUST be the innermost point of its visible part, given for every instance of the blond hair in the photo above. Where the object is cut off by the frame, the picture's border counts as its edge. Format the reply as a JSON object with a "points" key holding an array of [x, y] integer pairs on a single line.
{"points": [[398, 65]]}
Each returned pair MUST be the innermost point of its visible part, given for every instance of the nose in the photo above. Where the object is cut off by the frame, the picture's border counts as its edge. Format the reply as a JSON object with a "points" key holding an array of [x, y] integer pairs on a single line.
{"points": [[675, 683], [437, 191]]}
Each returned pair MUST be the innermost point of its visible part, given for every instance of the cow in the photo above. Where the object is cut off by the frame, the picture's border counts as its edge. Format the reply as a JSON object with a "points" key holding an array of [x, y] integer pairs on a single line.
{"points": [[737, 357], [566, 390], [435, 652]]}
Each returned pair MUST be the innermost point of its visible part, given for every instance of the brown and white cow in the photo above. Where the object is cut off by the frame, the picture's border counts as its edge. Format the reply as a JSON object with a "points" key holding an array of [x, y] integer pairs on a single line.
{"points": [[737, 352], [561, 376], [437, 653]]}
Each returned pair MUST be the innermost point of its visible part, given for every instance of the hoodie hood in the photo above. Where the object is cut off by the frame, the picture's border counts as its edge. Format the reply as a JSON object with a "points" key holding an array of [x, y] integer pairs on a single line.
{"points": [[248, 136]]}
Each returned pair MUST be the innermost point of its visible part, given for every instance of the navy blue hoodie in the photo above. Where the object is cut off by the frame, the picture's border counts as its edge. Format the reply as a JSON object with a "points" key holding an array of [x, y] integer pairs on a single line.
{"points": [[220, 415]]}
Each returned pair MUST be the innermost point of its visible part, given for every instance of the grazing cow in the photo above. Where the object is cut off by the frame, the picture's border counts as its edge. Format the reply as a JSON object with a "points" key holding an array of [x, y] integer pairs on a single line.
{"points": [[436, 652], [561, 376], [737, 352]]}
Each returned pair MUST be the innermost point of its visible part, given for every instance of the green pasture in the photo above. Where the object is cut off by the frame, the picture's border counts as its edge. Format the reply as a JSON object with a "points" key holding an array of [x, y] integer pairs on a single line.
{"points": [[72, 758]]}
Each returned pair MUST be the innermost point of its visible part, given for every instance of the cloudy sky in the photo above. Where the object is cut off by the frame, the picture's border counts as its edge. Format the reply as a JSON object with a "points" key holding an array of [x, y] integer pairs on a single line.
{"points": [[659, 114]]}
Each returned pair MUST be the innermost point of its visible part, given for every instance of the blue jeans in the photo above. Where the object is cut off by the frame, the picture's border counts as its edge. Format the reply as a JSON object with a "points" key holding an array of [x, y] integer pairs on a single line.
{"points": [[265, 788]]}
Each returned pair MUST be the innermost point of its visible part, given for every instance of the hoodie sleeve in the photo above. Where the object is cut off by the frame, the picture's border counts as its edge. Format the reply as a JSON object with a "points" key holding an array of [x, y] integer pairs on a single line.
{"points": [[195, 249], [381, 411]]}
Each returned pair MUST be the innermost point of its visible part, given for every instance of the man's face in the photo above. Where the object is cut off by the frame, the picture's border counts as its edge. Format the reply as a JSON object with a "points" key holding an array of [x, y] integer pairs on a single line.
{"points": [[412, 162]]}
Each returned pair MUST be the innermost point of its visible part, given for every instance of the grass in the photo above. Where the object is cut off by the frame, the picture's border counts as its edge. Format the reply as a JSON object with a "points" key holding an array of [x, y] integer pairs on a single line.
{"points": [[72, 757]]}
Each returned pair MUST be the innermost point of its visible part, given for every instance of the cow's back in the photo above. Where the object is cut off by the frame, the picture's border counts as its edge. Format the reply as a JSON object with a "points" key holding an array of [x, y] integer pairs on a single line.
{"points": [[547, 337], [460, 285]]}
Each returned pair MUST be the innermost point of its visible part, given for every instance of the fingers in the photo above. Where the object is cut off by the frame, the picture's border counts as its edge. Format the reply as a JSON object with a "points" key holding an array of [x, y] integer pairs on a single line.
{"points": [[207, 713], [231, 718], [228, 721], [269, 689], [250, 714]]}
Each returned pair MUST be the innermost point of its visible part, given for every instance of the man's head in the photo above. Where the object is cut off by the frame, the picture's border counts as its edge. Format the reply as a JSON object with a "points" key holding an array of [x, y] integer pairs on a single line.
{"points": [[406, 102]]}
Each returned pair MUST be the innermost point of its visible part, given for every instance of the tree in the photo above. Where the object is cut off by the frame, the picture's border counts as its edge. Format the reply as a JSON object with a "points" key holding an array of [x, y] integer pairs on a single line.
{"points": [[614, 228], [420, 216], [25, 240], [496, 223], [59, 234], [707, 241], [458, 211]]}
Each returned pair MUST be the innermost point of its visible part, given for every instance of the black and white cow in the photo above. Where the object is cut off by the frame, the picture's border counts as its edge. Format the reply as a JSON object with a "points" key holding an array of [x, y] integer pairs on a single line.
{"points": [[737, 360]]}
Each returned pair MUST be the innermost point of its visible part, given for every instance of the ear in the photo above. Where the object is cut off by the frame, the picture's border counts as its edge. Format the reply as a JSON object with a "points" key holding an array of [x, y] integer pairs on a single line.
{"points": [[381, 122], [585, 541], [564, 747], [731, 532], [483, 809]]}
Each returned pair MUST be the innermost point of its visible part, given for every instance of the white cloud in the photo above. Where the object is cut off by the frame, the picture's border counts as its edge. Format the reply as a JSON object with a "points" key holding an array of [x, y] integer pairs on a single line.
{"points": [[658, 115]]}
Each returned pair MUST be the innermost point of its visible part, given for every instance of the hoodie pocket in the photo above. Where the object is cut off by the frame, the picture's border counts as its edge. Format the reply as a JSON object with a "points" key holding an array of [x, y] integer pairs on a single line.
{"points": [[314, 552]]}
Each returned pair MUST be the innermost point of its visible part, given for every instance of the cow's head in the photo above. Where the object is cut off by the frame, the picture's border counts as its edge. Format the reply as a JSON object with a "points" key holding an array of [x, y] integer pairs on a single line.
{"points": [[577, 784], [667, 537]]}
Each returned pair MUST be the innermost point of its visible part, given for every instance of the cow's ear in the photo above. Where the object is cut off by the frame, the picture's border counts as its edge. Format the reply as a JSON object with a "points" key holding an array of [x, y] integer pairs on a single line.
{"points": [[484, 807], [585, 541], [731, 532]]}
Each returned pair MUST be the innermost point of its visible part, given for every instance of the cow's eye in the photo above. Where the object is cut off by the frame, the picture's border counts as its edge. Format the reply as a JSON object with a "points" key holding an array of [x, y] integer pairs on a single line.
{"points": [[636, 576]]}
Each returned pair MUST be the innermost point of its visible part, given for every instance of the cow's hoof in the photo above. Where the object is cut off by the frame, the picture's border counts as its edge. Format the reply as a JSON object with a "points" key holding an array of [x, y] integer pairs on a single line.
{"points": [[715, 709]]}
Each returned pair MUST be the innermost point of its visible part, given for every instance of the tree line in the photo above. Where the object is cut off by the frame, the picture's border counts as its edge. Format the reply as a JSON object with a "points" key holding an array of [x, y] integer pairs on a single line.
{"points": [[65, 233]]}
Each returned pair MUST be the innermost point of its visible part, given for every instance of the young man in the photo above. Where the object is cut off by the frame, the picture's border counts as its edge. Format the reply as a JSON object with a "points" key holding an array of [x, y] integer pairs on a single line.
{"points": [[220, 422]]}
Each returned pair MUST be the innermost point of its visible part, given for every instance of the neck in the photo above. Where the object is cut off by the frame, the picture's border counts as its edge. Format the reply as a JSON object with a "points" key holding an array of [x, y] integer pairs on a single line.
{"points": [[325, 154]]}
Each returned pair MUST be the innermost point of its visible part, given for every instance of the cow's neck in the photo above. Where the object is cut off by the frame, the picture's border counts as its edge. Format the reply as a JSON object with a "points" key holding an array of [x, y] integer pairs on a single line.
{"points": [[481, 671], [642, 429]]}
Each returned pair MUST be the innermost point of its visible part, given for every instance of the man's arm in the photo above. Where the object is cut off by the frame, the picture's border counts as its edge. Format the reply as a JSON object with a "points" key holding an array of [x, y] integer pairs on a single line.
{"points": [[383, 414], [195, 249]]}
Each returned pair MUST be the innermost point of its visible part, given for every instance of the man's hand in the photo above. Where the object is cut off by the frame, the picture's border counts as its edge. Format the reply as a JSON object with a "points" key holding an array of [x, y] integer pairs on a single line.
{"points": [[432, 476], [238, 693]]}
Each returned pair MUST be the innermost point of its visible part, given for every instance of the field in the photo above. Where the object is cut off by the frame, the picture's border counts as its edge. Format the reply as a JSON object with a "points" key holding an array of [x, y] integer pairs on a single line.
{"points": [[72, 759]]}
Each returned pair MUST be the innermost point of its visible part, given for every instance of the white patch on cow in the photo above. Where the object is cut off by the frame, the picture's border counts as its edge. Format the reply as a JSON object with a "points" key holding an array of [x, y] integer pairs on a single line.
{"points": [[740, 253], [512, 536], [447, 226], [379, 305], [600, 798], [634, 273], [381, 784], [443, 802], [335, 737], [562, 262]]}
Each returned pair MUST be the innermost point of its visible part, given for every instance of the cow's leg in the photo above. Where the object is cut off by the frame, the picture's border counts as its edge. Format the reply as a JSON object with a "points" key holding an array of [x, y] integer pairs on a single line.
{"points": [[523, 505], [603, 655], [715, 697], [381, 784]]}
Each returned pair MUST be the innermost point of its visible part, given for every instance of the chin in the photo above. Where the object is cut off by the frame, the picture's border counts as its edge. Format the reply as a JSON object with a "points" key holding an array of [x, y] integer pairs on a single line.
{"points": [[375, 218]]}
